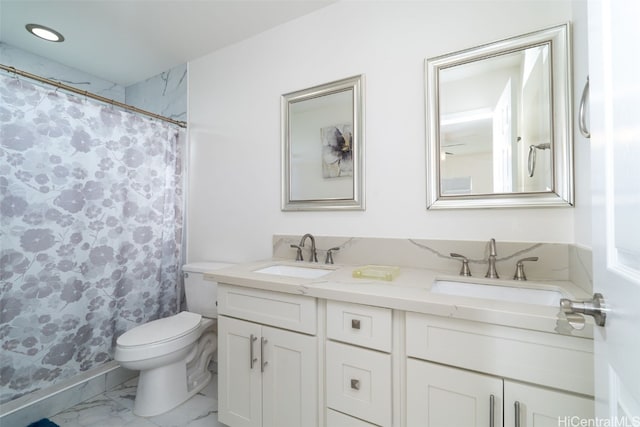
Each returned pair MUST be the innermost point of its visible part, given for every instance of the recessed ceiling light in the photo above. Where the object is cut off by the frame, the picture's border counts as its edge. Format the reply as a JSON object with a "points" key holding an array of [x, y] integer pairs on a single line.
{"points": [[44, 32]]}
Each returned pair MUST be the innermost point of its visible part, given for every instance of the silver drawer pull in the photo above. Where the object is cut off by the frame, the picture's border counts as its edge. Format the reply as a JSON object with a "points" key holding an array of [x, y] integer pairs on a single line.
{"points": [[355, 324], [252, 359], [263, 342], [355, 384], [516, 407], [492, 417]]}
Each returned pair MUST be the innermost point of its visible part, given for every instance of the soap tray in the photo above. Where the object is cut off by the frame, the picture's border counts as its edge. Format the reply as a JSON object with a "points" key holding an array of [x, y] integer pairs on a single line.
{"points": [[378, 272]]}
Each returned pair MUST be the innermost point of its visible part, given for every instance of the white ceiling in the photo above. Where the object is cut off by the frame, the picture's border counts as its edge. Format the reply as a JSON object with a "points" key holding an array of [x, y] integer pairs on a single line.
{"points": [[126, 42]]}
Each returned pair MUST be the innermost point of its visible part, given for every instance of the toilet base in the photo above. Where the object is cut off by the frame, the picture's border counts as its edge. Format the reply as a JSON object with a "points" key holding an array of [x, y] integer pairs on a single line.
{"points": [[162, 389]]}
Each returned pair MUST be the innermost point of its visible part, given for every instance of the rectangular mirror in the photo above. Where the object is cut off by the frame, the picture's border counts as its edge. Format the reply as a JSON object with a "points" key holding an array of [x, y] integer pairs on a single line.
{"points": [[322, 147], [499, 124]]}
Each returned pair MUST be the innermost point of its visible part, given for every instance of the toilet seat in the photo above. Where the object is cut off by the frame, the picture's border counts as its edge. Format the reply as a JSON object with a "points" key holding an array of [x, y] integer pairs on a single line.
{"points": [[160, 338], [161, 330]]}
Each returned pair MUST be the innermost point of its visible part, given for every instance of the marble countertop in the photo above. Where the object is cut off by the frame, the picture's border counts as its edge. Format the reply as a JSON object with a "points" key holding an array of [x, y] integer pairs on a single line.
{"points": [[411, 291]]}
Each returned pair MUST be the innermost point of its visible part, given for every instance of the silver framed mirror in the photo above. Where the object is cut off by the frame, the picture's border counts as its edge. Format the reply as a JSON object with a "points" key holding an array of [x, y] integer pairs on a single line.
{"points": [[499, 124], [323, 147]]}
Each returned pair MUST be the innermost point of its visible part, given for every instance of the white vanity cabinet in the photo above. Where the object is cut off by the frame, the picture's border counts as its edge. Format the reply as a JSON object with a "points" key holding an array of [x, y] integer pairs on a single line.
{"points": [[358, 365], [267, 358], [473, 374]]}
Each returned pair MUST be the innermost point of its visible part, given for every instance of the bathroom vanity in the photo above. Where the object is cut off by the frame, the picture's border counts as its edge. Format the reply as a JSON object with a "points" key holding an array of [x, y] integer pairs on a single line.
{"points": [[304, 344]]}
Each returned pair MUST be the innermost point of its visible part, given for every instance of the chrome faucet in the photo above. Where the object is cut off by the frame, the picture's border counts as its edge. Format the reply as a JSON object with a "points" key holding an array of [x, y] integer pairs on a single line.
{"points": [[491, 272], [314, 255]]}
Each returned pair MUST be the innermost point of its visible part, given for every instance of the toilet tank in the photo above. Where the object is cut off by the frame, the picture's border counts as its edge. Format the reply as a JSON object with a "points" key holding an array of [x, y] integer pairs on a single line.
{"points": [[201, 294]]}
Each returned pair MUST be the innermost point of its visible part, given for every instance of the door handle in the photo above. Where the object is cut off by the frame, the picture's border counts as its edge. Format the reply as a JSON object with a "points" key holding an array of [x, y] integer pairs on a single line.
{"points": [[594, 307], [516, 408]]}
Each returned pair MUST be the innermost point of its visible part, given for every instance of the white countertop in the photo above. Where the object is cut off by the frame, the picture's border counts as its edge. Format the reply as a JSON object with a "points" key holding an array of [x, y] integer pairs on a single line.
{"points": [[411, 291]]}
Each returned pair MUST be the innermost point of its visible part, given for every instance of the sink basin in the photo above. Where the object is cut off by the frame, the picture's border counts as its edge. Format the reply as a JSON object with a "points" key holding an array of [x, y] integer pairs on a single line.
{"points": [[294, 271], [502, 293]]}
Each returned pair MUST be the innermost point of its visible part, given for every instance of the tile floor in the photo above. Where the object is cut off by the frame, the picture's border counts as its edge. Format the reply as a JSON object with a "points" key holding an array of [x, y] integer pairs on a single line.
{"points": [[115, 409]]}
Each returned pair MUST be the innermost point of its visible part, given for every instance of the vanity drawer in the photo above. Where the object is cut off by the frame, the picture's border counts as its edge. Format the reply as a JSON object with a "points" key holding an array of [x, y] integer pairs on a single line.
{"points": [[287, 311], [359, 382], [358, 324], [338, 419], [548, 359]]}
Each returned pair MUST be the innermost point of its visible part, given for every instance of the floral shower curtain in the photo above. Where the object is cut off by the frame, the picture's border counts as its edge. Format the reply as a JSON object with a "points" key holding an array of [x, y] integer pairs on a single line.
{"points": [[91, 231]]}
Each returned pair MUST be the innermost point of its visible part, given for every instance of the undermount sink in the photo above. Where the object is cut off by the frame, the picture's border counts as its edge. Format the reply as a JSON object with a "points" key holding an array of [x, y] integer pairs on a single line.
{"points": [[498, 292], [294, 271]]}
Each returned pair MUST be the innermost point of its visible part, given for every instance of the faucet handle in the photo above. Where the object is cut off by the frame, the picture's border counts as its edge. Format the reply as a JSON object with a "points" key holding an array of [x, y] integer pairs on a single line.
{"points": [[492, 247], [519, 274], [298, 253], [329, 258], [464, 270]]}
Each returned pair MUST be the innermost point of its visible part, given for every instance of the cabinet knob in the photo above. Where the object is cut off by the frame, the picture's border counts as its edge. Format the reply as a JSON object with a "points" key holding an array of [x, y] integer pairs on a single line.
{"points": [[355, 384], [355, 324]]}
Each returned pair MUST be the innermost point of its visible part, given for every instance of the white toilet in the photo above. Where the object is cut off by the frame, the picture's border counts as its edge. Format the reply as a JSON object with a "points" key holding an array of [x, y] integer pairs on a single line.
{"points": [[172, 354]]}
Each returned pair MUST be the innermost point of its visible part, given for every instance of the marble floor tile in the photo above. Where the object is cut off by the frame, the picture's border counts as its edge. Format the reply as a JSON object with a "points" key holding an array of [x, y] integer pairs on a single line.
{"points": [[100, 412], [115, 409]]}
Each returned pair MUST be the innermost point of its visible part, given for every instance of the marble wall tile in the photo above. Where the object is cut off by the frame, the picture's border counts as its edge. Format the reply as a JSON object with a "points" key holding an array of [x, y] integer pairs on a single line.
{"points": [[553, 263], [34, 64], [164, 94]]}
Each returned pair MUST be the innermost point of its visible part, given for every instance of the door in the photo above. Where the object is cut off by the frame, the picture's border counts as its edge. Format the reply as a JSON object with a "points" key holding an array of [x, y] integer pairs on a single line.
{"points": [[289, 379], [239, 377], [614, 68], [442, 396], [530, 406]]}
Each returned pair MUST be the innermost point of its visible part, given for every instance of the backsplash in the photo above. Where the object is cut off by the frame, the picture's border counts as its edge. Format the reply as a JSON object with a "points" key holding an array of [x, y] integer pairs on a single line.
{"points": [[581, 267], [557, 261]]}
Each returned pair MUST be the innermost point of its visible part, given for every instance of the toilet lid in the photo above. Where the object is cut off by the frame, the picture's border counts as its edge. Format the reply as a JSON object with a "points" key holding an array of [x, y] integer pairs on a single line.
{"points": [[161, 330]]}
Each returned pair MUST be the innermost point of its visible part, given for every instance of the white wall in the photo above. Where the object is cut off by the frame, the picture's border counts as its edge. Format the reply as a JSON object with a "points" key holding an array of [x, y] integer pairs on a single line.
{"points": [[234, 125]]}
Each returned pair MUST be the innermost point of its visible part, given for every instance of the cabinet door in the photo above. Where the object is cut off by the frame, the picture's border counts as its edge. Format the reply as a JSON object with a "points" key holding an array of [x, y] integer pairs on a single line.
{"points": [[289, 379], [239, 383], [540, 407], [441, 396]]}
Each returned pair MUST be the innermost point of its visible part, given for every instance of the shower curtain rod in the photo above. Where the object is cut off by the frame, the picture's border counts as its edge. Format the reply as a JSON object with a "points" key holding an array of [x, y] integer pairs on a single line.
{"points": [[90, 95]]}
